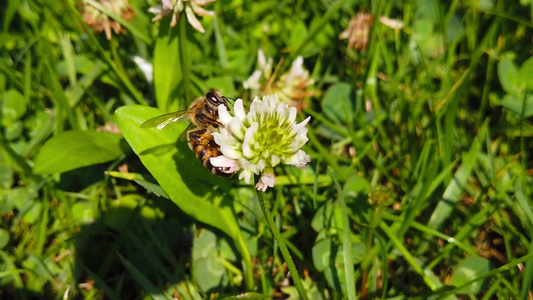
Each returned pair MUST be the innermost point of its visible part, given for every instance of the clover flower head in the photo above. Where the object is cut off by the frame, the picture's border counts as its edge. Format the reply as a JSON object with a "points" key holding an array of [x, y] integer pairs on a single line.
{"points": [[175, 8], [290, 87], [257, 141], [358, 31], [100, 21]]}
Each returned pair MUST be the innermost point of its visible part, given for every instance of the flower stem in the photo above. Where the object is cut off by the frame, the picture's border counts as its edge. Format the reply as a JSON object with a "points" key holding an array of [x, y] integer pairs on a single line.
{"points": [[282, 245]]}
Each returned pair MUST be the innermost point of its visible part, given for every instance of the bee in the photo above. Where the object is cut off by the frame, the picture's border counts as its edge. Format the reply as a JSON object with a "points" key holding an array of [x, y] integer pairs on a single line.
{"points": [[203, 114]]}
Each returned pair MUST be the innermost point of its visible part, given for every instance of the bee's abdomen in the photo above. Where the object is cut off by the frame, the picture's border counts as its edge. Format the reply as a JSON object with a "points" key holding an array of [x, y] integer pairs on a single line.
{"points": [[203, 145]]}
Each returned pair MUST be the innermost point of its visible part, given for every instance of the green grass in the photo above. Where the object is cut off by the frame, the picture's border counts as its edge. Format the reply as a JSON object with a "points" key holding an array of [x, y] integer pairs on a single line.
{"points": [[420, 183]]}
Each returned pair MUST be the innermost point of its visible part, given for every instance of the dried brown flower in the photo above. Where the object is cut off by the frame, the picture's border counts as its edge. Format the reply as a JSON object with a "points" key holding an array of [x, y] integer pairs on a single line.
{"points": [[100, 21], [358, 31]]}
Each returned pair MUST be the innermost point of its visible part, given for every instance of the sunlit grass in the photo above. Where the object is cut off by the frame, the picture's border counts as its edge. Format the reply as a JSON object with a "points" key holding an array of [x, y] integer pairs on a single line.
{"points": [[420, 178]]}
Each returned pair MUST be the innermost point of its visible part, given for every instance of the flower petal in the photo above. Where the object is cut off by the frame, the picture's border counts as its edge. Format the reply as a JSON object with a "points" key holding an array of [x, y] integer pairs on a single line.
{"points": [[191, 17], [224, 162], [267, 180]]}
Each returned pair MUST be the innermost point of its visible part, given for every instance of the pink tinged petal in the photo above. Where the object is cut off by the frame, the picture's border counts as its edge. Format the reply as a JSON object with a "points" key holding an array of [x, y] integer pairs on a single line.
{"points": [[167, 4], [202, 12], [203, 2], [229, 165], [299, 159], [193, 20], [224, 115], [174, 20], [267, 180]]}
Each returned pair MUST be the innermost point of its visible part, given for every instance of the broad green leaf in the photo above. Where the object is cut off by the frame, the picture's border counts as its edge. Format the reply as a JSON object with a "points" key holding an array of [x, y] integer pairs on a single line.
{"points": [[75, 149], [13, 106], [4, 238], [177, 170], [207, 265], [209, 272], [204, 245], [508, 75], [167, 65], [298, 33], [515, 104], [525, 73], [337, 103], [322, 254], [467, 270]]}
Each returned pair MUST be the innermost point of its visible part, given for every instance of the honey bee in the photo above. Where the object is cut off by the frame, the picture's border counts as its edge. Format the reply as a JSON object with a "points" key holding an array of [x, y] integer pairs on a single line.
{"points": [[203, 114]]}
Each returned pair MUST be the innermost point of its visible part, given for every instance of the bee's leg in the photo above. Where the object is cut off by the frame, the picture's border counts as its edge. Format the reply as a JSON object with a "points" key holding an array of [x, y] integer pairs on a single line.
{"points": [[208, 121], [194, 137]]}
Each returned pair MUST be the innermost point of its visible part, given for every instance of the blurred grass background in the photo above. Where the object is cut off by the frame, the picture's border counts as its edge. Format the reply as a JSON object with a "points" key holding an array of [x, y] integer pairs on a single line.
{"points": [[421, 146]]}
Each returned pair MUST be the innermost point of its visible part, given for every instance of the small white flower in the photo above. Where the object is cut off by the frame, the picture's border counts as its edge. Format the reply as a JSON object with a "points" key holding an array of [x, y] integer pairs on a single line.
{"points": [[290, 87], [176, 7], [257, 141], [252, 83], [391, 23]]}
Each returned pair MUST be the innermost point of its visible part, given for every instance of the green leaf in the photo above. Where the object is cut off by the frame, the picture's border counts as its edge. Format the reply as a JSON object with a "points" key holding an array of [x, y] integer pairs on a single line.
{"points": [[13, 106], [525, 73], [75, 149], [167, 66], [6, 176], [209, 272], [224, 84], [207, 265], [83, 213], [322, 254], [177, 170], [467, 270], [508, 74], [337, 103], [4, 238], [298, 33]]}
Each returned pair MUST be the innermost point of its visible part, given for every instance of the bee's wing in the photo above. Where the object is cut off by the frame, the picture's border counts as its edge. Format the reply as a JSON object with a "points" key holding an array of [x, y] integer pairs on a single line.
{"points": [[163, 120]]}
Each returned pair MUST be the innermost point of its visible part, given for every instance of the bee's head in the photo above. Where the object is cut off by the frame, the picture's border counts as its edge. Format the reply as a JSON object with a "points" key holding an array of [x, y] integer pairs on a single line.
{"points": [[214, 98]]}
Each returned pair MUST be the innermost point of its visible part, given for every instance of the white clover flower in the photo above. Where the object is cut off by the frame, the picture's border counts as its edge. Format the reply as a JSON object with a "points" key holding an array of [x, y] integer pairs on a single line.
{"points": [[290, 87], [176, 7], [257, 141]]}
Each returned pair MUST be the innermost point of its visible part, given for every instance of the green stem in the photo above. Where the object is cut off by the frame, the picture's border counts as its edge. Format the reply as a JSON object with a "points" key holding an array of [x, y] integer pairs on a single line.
{"points": [[282, 246], [248, 271], [185, 60]]}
